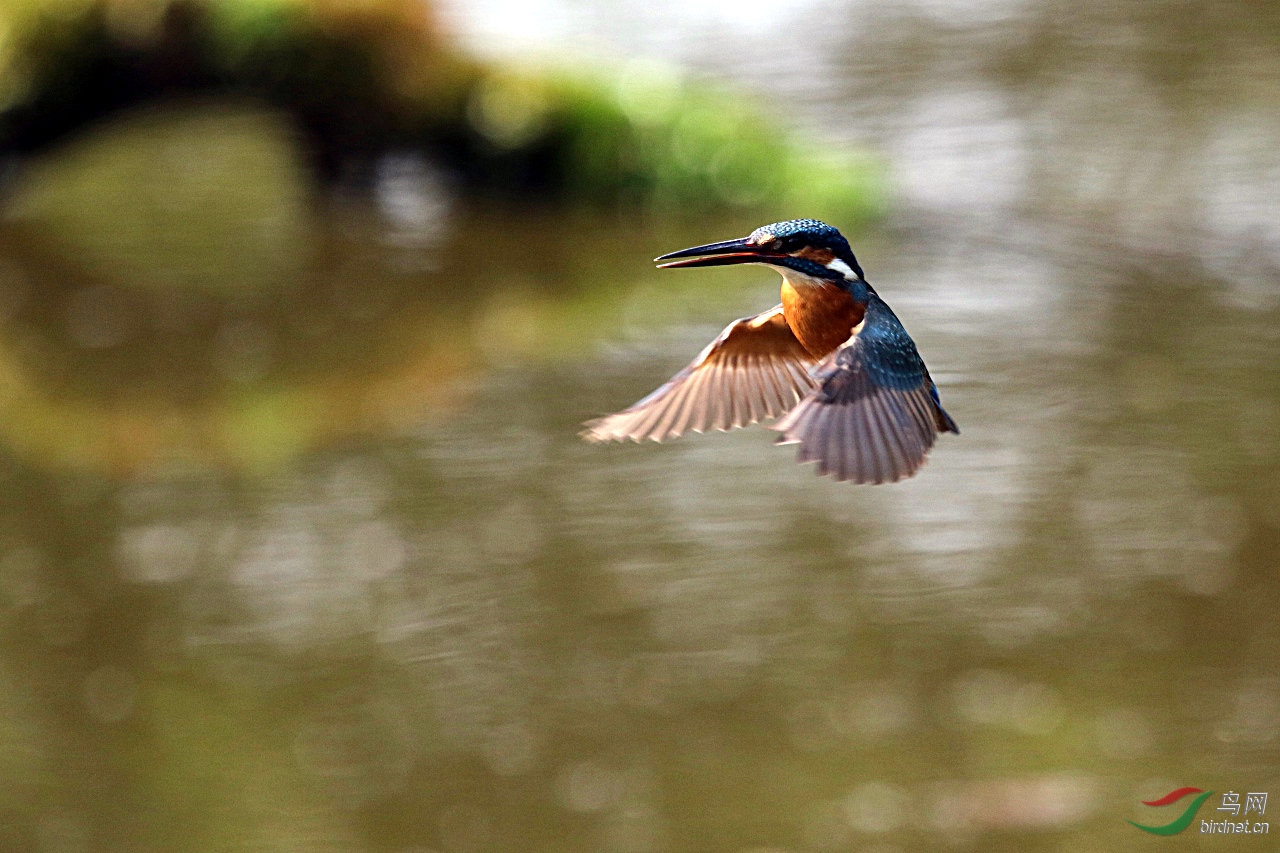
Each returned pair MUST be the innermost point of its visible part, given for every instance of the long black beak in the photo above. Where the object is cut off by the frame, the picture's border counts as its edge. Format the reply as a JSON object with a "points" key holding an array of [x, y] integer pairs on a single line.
{"points": [[738, 251]]}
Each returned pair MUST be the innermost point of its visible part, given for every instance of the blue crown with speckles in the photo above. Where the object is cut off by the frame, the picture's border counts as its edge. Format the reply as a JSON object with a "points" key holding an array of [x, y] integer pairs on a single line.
{"points": [[795, 234]]}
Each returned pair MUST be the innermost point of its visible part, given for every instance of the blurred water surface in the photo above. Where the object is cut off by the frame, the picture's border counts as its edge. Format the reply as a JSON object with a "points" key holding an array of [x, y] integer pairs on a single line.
{"points": [[299, 549]]}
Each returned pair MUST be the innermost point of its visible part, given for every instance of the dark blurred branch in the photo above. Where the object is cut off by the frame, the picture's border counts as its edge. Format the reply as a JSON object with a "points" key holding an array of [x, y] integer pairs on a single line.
{"points": [[361, 83]]}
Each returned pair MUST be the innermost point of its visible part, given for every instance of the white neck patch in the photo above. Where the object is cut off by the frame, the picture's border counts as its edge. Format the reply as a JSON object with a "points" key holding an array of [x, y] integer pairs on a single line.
{"points": [[842, 268]]}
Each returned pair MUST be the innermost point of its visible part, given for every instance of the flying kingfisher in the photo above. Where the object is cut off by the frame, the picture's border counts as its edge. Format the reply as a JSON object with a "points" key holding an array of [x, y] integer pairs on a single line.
{"points": [[833, 358]]}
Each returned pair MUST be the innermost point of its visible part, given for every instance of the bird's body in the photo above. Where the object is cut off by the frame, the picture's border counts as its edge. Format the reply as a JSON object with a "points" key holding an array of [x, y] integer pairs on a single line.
{"points": [[820, 316], [832, 358]]}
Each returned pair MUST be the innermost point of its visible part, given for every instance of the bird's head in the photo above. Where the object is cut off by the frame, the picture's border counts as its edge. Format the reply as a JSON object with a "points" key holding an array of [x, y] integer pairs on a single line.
{"points": [[805, 251]]}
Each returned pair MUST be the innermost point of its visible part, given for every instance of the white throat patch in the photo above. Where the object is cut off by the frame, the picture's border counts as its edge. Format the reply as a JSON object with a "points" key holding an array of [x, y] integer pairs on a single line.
{"points": [[800, 281]]}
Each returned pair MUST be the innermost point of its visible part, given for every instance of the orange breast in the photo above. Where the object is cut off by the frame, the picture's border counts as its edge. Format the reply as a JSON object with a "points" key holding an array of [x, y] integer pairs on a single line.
{"points": [[822, 318]]}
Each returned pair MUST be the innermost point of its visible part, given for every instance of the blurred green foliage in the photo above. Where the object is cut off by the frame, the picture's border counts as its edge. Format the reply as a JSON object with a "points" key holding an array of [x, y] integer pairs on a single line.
{"points": [[360, 80], [643, 135]]}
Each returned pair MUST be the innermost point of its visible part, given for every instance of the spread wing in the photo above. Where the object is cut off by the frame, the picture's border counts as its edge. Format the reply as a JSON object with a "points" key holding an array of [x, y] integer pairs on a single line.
{"points": [[755, 369], [876, 412]]}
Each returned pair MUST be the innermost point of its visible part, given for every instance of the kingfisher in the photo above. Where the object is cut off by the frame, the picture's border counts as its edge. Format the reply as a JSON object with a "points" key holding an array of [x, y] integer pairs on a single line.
{"points": [[832, 359]]}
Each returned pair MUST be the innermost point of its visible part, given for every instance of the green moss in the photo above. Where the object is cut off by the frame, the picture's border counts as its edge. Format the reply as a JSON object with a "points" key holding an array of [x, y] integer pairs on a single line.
{"points": [[642, 135]]}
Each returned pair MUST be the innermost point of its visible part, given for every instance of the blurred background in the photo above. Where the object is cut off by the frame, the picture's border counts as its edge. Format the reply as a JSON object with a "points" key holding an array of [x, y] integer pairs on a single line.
{"points": [[302, 303]]}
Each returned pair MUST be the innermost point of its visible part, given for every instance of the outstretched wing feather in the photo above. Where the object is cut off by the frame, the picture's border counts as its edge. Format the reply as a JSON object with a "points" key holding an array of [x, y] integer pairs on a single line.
{"points": [[755, 369]]}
